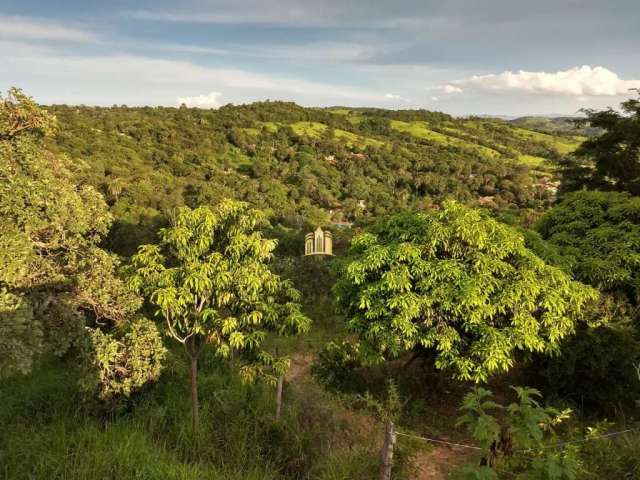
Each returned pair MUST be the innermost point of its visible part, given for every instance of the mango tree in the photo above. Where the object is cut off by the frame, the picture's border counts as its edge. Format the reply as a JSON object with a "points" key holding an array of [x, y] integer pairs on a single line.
{"points": [[458, 284], [210, 281]]}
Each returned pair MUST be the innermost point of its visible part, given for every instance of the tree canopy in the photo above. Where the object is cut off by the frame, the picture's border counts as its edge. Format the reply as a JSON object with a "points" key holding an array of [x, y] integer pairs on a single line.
{"points": [[598, 235], [210, 281], [55, 280], [610, 160], [297, 163], [459, 284]]}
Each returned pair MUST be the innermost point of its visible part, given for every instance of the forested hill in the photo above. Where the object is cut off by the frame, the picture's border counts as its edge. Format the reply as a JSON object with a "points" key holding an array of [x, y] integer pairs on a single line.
{"points": [[556, 125], [303, 165]]}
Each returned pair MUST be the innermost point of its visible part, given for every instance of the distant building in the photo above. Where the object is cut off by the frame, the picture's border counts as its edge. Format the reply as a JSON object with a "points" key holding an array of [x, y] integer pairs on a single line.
{"points": [[487, 200], [318, 243]]}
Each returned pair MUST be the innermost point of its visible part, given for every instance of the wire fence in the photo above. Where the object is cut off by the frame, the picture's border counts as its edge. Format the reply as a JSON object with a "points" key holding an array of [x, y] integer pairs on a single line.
{"points": [[523, 450], [433, 440]]}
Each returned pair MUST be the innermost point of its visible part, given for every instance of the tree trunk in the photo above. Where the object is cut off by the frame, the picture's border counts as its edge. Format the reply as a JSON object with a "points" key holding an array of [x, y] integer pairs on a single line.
{"points": [[279, 397], [195, 407]]}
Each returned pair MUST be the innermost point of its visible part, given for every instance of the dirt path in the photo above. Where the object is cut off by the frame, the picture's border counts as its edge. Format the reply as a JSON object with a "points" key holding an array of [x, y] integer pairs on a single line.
{"points": [[434, 463], [437, 463], [300, 365]]}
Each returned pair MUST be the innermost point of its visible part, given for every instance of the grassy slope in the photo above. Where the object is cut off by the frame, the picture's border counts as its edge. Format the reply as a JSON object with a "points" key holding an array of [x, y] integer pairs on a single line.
{"points": [[562, 144], [474, 130], [315, 129], [48, 433], [467, 135], [421, 130]]}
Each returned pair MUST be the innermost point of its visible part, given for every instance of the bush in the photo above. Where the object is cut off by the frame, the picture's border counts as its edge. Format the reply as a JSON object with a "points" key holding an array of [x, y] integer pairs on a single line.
{"points": [[336, 365], [595, 369], [118, 364]]}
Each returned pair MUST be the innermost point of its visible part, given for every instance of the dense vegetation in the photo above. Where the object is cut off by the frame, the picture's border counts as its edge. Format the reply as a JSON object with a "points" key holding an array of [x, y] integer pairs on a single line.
{"points": [[131, 236], [300, 165]]}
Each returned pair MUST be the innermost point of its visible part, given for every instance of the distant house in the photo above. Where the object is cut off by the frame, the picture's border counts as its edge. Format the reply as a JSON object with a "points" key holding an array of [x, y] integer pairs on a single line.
{"points": [[487, 200], [550, 186]]}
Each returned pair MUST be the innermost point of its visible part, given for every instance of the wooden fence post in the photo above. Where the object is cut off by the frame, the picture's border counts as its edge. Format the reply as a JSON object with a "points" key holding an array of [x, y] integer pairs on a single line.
{"points": [[387, 451], [279, 397]]}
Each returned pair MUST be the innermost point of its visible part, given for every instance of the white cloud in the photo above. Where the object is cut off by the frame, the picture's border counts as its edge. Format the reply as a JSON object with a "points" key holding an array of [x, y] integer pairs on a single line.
{"points": [[396, 98], [452, 89], [435, 99], [201, 101], [582, 81], [15, 27], [140, 80]]}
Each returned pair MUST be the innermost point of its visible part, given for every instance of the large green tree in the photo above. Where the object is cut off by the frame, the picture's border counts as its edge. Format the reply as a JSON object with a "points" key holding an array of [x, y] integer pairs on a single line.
{"points": [[57, 286], [610, 160], [598, 233], [210, 281], [458, 284], [596, 236]]}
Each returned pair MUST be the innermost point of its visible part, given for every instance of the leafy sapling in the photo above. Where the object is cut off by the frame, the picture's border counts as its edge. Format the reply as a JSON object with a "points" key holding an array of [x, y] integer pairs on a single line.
{"points": [[210, 281]]}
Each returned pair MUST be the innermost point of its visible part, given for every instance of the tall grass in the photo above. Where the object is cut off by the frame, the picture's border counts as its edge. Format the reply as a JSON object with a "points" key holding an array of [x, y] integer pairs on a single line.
{"points": [[48, 432]]}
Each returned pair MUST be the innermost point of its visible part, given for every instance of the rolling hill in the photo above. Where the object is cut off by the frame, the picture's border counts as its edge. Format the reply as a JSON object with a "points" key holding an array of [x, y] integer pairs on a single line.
{"points": [[313, 165]]}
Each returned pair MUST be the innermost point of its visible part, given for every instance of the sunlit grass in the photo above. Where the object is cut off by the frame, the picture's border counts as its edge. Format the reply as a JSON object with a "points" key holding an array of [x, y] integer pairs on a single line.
{"points": [[421, 130]]}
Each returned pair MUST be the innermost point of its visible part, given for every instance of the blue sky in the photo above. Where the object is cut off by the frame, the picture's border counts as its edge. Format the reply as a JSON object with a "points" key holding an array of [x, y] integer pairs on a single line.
{"points": [[459, 56]]}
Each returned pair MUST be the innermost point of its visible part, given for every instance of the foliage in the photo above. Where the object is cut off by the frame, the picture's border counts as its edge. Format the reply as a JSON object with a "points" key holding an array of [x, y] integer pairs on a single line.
{"points": [[595, 367], [117, 367], [599, 234], [21, 334], [81, 187], [295, 163], [595, 236], [611, 457], [460, 284], [54, 278], [46, 434], [389, 408], [516, 440], [210, 281], [610, 160], [335, 366]]}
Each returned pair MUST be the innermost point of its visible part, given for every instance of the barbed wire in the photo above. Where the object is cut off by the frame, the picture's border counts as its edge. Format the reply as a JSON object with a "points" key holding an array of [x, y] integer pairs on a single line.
{"points": [[578, 440], [523, 450], [438, 441]]}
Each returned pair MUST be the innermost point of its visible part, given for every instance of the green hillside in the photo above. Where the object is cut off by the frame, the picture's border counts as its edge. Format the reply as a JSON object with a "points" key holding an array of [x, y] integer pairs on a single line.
{"points": [[319, 165], [555, 125]]}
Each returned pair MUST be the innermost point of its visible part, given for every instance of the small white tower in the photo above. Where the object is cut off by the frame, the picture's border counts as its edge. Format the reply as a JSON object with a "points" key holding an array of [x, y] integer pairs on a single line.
{"points": [[318, 243]]}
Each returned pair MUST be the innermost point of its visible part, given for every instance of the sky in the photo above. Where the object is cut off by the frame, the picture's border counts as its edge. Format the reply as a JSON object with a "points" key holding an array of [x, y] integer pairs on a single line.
{"points": [[494, 57]]}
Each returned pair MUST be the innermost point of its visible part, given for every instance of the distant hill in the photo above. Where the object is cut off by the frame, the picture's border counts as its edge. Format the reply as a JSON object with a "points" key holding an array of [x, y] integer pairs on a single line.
{"points": [[554, 124], [303, 165]]}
